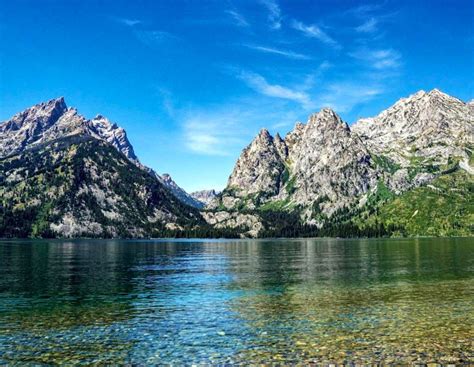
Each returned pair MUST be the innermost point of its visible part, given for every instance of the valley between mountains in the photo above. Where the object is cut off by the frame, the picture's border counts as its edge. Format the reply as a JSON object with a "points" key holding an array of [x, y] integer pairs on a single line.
{"points": [[408, 171]]}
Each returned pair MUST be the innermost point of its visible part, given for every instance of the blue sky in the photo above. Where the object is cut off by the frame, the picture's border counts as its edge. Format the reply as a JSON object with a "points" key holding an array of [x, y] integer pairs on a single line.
{"points": [[193, 81]]}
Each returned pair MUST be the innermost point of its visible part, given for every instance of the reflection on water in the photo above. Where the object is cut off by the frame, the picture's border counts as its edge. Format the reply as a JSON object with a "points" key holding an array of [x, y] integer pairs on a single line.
{"points": [[409, 300]]}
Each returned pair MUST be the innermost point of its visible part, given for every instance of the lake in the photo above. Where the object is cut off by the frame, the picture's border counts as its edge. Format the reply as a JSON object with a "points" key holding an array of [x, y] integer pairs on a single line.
{"points": [[235, 301]]}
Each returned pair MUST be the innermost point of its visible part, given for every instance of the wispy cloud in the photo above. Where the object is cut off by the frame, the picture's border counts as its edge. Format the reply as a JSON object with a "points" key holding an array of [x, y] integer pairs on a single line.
{"points": [[343, 96], [276, 51], [149, 37], [369, 26], [213, 133], [312, 77], [238, 18], [378, 59], [313, 31], [274, 13], [126, 21], [224, 130], [362, 11], [260, 85]]}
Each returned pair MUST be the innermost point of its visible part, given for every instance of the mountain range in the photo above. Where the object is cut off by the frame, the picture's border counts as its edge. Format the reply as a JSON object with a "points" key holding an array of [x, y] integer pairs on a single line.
{"points": [[407, 172]]}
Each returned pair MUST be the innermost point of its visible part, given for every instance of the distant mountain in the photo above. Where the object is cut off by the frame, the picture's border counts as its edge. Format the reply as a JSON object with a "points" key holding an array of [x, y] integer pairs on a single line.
{"points": [[205, 196], [180, 193], [340, 179], [64, 175]]}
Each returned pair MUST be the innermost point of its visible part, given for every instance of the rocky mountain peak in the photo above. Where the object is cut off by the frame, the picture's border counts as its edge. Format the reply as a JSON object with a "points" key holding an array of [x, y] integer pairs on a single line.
{"points": [[258, 166], [326, 119], [280, 146], [264, 136], [419, 125]]}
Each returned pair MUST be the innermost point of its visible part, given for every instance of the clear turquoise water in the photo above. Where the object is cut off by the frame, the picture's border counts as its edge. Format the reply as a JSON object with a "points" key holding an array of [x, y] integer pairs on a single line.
{"points": [[288, 301]]}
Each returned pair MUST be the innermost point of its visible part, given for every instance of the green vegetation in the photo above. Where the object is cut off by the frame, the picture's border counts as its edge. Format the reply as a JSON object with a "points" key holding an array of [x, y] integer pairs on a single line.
{"points": [[385, 163], [290, 185], [87, 180], [443, 208]]}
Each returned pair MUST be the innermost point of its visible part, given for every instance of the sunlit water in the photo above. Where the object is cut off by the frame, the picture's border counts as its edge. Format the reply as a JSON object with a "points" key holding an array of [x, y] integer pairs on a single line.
{"points": [[217, 302]]}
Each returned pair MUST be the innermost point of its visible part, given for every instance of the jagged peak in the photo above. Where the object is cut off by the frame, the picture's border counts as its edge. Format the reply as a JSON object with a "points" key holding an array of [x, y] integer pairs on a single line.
{"points": [[263, 137], [326, 117], [324, 112], [264, 133], [436, 91], [55, 104], [59, 101]]}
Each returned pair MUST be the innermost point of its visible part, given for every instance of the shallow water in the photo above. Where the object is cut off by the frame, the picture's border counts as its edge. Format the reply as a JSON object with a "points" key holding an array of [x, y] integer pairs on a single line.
{"points": [[288, 301]]}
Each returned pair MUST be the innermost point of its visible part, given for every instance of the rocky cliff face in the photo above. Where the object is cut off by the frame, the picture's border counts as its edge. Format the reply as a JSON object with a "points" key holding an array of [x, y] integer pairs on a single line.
{"points": [[51, 120], [205, 196], [324, 167], [319, 161], [330, 164], [430, 126], [257, 173]]}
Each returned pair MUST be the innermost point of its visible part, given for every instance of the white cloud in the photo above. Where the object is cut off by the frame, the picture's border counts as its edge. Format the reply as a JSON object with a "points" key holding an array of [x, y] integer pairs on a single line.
{"points": [[274, 13], [218, 131], [260, 84], [128, 22], [224, 130], [378, 59], [363, 10], [238, 18], [314, 31], [369, 26], [271, 50]]}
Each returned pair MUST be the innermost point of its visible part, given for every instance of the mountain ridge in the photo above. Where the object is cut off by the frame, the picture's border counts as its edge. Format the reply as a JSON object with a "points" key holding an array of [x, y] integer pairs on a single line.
{"points": [[324, 178], [49, 120]]}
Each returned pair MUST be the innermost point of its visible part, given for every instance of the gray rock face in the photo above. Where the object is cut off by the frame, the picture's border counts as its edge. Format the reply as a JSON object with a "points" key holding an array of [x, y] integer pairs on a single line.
{"points": [[321, 160], [330, 162], [204, 196], [259, 167], [51, 120], [429, 126], [250, 224]]}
